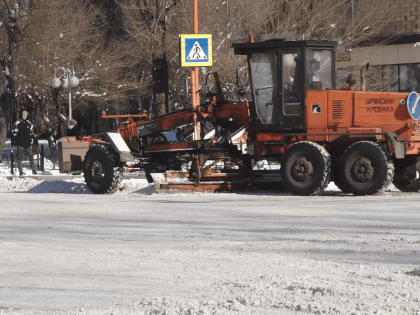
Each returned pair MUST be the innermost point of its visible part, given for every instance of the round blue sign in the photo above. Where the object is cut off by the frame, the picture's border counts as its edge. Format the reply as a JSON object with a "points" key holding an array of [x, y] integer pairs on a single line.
{"points": [[413, 105]]}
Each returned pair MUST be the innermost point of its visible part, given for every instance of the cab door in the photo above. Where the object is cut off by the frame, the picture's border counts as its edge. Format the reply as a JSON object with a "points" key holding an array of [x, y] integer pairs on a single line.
{"points": [[293, 90], [265, 72], [277, 82]]}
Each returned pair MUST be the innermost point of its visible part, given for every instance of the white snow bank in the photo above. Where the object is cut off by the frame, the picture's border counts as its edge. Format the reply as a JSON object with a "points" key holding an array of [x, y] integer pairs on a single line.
{"points": [[136, 186], [74, 186], [17, 184]]}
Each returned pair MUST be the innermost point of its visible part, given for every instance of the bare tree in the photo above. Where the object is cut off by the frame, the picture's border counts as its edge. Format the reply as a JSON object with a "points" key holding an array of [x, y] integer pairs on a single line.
{"points": [[231, 21], [15, 16], [74, 36]]}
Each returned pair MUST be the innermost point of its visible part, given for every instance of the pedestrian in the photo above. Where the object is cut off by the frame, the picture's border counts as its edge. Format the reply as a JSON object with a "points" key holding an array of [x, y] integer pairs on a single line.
{"points": [[23, 132], [72, 128]]}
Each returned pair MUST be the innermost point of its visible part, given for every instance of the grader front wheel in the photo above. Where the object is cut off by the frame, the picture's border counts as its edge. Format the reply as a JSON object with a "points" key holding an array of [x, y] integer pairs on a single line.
{"points": [[102, 169]]}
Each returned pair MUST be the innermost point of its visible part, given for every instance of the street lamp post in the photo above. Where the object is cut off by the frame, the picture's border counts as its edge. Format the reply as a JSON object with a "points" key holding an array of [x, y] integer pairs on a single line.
{"points": [[68, 81]]}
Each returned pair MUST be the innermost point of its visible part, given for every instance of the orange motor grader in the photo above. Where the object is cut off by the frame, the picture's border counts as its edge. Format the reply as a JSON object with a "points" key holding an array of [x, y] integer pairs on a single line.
{"points": [[362, 141]]}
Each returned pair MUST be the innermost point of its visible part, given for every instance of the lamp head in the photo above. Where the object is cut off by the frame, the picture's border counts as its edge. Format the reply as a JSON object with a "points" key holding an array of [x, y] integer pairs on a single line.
{"points": [[74, 82], [55, 83]]}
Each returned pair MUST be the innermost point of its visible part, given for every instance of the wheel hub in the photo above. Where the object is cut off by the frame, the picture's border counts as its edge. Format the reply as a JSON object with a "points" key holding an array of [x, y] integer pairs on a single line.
{"points": [[97, 170], [302, 170], [362, 170]]}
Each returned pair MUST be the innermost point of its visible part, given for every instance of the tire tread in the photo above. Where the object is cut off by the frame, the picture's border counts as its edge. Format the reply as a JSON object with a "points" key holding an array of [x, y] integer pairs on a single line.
{"points": [[117, 170], [386, 158], [327, 168]]}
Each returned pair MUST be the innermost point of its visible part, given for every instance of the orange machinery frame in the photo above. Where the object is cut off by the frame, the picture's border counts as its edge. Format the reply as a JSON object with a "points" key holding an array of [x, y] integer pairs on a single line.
{"points": [[347, 116]]}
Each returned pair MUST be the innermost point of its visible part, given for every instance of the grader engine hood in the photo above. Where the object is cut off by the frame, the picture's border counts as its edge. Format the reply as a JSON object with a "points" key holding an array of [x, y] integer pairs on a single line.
{"points": [[337, 112]]}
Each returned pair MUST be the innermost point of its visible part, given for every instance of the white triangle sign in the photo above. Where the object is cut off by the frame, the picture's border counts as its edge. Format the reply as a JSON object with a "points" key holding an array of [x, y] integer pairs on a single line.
{"points": [[197, 53]]}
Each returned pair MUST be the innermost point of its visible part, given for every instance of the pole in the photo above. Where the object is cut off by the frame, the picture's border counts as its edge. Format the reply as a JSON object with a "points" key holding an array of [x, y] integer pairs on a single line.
{"points": [[42, 158], [12, 163], [69, 101], [195, 97], [69, 90]]}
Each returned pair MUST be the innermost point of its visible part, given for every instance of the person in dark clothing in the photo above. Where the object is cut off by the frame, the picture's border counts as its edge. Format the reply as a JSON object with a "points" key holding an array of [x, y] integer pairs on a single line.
{"points": [[72, 129], [23, 131]]}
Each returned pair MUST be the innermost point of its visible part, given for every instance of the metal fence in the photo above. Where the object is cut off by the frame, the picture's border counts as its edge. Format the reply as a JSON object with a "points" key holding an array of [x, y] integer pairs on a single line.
{"points": [[5, 160], [10, 160]]}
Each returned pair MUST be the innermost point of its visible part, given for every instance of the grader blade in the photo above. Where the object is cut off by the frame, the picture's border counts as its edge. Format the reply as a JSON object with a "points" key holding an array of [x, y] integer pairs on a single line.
{"points": [[171, 182]]}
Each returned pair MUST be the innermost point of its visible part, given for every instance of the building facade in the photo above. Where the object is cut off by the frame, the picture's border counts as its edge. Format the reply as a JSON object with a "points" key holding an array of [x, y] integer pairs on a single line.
{"points": [[394, 57]]}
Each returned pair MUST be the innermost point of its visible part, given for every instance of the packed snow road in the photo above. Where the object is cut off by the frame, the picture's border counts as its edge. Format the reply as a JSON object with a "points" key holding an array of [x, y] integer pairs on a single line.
{"points": [[65, 251]]}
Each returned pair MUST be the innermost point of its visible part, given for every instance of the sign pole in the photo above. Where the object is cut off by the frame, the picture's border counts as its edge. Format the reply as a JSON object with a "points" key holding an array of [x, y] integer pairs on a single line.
{"points": [[195, 97]]}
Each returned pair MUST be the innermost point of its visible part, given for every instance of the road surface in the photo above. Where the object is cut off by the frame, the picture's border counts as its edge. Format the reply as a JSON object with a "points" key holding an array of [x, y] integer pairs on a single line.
{"points": [[261, 253]]}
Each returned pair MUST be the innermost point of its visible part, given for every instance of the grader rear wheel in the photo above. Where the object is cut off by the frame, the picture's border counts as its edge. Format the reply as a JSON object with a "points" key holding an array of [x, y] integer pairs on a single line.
{"points": [[305, 168], [406, 177], [365, 169], [102, 169]]}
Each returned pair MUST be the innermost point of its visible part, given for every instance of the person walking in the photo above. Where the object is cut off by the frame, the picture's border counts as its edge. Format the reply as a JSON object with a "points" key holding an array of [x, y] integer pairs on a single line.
{"points": [[72, 128], [23, 131]]}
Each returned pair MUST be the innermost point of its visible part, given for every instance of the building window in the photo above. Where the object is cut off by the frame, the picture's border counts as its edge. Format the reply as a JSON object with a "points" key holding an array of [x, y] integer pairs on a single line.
{"points": [[402, 78], [390, 78]]}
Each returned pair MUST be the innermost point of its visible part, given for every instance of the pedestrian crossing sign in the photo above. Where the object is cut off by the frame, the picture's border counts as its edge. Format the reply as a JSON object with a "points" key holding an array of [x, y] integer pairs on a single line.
{"points": [[196, 50]]}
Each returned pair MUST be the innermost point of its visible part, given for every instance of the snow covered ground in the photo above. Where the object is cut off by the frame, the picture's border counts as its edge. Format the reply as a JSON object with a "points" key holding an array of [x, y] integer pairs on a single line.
{"points": [[66, 251]]}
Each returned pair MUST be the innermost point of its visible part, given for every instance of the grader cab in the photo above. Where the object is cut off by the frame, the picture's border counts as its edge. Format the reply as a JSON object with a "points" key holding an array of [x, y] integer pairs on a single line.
{"points": [[297, 117], [282, 72]]}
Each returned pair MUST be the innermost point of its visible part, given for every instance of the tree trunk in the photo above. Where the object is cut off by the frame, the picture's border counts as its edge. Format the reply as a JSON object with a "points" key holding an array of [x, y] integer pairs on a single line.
{"points": [[3, 131], [10, 65], [160, 62]]}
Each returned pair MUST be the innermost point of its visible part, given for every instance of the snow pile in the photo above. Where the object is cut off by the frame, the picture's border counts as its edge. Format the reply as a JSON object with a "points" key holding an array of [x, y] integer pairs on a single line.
{"points": [[73, 186], [17, 184], [136, 186], [49, 165], [358, 289], [349, 293], [345, 289]]}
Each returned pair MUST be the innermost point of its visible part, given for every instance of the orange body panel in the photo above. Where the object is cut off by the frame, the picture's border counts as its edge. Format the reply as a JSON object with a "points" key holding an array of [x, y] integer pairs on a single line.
{"points": [[357, 112], [332, 113]]}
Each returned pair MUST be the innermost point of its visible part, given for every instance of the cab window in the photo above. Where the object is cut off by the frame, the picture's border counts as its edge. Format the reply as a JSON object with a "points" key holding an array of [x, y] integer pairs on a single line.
{"points": [[319, 74], [264, 74], [292, 82]]}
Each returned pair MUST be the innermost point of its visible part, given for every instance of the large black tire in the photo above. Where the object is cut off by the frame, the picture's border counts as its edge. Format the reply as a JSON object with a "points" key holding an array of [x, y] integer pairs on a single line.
{"points": [[305, 168], [406, 176], [102, 169], [366, 169]]}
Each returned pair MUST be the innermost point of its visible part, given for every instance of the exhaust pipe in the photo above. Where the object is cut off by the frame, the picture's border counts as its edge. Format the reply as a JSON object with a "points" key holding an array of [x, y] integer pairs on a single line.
{"points": [[363, 77]]}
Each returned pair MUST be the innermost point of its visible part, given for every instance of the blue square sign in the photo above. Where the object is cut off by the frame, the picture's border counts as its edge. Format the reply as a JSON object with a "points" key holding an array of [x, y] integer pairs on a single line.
{"points": [[196, 50]]}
